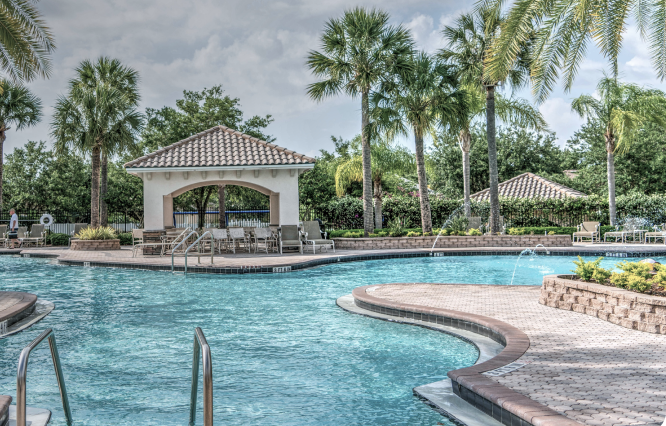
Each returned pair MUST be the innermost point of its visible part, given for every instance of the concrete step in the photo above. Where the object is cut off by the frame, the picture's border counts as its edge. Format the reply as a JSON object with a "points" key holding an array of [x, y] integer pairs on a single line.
{"points": [[33, 416], [4, 409]]}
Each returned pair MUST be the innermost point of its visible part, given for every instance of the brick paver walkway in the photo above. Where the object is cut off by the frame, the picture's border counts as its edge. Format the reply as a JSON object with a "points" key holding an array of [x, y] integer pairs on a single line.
{"points": [[590, 370]]}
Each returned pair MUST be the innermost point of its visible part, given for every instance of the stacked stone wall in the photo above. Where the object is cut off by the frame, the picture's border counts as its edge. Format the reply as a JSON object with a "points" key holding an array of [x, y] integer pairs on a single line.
{"points": [[518, 241], [93, 245]]}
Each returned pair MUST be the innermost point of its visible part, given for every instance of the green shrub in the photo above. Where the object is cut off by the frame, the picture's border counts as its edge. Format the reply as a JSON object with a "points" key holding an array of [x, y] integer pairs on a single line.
{"points": [[460, 224], [638, 284], [637, 276], [125, 238], [476, 232], [57, 239], [99, 233], [585, 270], [413, 234], [515, 231], [551, 233], [639, 269], [601, 275], [351, 234], [442, 233]]}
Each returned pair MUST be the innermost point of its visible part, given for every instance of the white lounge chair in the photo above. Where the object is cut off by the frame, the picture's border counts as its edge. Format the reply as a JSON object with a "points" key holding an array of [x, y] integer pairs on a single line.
{"points": [[587, 230], [137, 236], [36, 236], [263, 240], [313, 236], [659, 232], [77, 228], [238, 238]]}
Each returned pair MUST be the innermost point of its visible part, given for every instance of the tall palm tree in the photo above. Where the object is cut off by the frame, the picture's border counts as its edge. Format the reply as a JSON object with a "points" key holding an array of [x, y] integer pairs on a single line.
{"points": [[18, 108], [563, 31], [419, 102], [623, 109], [359, 51], [469, 40], [98, 117], [515, 111], [386, 158], [26, 41]]}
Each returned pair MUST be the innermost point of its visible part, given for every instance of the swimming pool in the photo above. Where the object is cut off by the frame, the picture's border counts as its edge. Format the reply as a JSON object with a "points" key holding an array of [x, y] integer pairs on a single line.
{"points": [[283, 353]]}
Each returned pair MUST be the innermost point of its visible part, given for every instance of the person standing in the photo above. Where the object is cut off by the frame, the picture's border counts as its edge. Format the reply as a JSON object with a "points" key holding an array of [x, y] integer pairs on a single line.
{"points": [[13, 228]]}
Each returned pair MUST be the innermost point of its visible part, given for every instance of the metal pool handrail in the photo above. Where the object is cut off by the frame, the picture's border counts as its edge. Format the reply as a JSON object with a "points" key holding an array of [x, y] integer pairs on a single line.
{"points": [[22, 374], [212, 248], [200, 344], [173, 251]]}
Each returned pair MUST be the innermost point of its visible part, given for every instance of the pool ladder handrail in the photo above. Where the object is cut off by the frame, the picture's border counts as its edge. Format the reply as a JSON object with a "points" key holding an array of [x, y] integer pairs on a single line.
{"points": [[22, 375], [198, 244], [173, 251], [201, 345]]}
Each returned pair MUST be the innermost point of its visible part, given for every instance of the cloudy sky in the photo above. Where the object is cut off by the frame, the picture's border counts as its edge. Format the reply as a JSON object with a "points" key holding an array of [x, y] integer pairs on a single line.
{"points": [[257, 50]]}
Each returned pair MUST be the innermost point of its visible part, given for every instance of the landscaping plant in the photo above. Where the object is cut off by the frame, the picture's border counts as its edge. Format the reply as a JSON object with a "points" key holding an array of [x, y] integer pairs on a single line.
{"points": [[587, 270], [98, 233]]}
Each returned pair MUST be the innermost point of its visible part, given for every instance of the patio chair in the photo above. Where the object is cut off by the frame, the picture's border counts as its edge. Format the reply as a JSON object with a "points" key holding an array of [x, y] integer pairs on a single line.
{"points": [[313, 236], [290, 236], [137, 236], [3, 235], [238, 238], [171, 240], [21, 234], [36, 236], [659, 232], [263, 239], [587, 230], [502, 226], [77, 228], [221, 239]]}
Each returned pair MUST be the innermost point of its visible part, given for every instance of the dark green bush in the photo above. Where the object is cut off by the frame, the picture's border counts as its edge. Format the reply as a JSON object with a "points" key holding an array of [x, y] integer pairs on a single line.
{"points": [[125, 238], [57, 239]]}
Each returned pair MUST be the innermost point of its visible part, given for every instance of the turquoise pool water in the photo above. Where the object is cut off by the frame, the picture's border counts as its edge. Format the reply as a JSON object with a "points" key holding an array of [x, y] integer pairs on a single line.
{"points": [[283, 352]]}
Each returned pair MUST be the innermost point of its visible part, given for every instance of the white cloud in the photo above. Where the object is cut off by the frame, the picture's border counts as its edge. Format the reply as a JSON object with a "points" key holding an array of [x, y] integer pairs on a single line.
{"points": [[560, 118]]}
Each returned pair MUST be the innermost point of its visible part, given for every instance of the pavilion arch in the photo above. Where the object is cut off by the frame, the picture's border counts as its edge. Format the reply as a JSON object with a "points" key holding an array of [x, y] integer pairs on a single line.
{"points": [[215, 157]]}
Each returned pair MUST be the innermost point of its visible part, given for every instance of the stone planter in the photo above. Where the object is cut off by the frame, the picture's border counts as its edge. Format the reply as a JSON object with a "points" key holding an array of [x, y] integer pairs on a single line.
{"points": [[622, 307], [92, 245], [517, 241]]}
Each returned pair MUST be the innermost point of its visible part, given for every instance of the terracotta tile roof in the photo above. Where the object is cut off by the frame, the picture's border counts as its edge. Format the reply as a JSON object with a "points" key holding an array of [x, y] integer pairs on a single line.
{"points": [[529, 185], [220, 146]]}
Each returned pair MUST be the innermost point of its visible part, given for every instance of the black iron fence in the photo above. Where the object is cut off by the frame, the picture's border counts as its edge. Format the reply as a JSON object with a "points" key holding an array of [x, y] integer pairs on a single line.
{"points": [[63, 222], [256, 218]]}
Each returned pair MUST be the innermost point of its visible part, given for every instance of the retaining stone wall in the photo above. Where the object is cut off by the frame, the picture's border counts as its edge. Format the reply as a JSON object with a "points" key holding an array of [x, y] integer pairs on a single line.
{"points": [[92, 245], [622, 307], [518, 241]]}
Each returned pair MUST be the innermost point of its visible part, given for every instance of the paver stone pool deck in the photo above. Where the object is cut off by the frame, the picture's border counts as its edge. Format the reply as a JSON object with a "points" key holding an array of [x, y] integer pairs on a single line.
{"points": [[592, 371]]}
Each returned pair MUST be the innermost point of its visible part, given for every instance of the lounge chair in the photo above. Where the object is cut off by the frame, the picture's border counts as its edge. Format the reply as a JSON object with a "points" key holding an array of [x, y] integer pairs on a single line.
{"points": [[659, 232], [21, 234], [313, 236], [238, 238], [502, 226], [77, 228], [174, 237], [290, 236], [36, 236], [221, 239], [3, 235], [137, 236], [263, 239], [587, 230], [474, 223]]}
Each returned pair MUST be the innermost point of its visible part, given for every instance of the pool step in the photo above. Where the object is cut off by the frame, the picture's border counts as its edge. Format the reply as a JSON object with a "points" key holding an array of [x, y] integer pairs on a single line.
{"points": [[4, 409], [33, 416]]}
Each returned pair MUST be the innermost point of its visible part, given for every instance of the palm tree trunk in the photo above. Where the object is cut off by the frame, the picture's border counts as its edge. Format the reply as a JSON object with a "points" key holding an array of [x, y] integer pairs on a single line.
{"points": [[492, 161], [426, 219], [3, 136], [378, 204], [368, 225], [104, 178], [222, 206], [94, 187], [465, 141], [610, 160]]}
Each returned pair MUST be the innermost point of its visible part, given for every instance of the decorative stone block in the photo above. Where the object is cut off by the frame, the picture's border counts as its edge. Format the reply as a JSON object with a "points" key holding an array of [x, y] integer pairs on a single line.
{"points": [[94, 245], [582, 300], [579, 308], [636, 315], [620, 311], [649, 328], [627, 323]]}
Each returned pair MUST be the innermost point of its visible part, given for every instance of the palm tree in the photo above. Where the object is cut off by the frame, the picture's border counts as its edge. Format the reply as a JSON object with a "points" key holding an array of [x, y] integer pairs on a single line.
{"points": [[419, 102], [359, 51], [623, 109], [468, 43], [515, 111], [564, 30], [25, 40], [386, 158], [98, 117], [18, 108]]}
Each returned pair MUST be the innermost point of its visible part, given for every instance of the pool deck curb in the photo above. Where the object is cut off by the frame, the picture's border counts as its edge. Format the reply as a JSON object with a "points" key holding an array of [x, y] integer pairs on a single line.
{"points": [[496, 400], [236, 265]]}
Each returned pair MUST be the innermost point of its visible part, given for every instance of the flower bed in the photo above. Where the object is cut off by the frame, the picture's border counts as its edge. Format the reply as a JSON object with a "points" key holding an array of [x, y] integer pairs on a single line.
{"points": [[517, 241], [93, 245], [622, 307]]}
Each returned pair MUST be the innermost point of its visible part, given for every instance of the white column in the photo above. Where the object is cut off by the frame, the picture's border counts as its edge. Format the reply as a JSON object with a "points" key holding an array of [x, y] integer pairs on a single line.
{"points": [[289, 203], [168, 210], [153, 206], [275, 208]]}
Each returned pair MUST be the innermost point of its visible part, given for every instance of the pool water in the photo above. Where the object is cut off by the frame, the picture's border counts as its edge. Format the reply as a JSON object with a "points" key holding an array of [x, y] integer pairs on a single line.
{"points": [[283, 352]]}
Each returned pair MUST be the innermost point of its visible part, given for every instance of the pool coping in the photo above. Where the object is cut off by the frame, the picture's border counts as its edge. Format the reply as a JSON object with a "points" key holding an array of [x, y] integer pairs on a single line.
{"points": [[342, 258], [500, 402]]}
